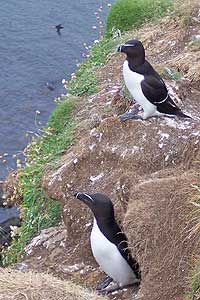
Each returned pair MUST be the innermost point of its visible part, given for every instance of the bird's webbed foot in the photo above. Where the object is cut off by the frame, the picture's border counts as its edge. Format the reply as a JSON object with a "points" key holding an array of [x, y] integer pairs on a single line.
{"points": [[107, 290], [129, 116], [116, 287], [104, 283]]}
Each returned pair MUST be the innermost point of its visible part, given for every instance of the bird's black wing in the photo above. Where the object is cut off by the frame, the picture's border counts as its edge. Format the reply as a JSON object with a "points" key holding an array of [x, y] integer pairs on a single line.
{"points": [[125, 252], [117, 237], [59, 26], [155, 90]]}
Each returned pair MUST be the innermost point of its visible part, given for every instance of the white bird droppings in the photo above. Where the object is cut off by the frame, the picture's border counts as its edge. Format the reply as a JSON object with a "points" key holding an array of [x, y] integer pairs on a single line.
{"points": [[75, 161], [93, 179], [92, 146]]}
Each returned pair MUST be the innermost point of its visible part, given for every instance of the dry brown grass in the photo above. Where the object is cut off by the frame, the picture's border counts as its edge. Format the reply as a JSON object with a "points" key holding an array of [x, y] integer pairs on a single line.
{"points": [[196, 216], [194, 275], [18, 285]]}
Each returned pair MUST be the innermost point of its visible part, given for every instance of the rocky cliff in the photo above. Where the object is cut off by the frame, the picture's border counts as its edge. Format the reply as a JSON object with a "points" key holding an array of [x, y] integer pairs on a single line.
{"points": [[150, 169]]}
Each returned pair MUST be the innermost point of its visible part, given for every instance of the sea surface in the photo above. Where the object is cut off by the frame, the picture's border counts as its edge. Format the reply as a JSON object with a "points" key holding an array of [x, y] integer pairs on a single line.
{"points": [[32, 56]]}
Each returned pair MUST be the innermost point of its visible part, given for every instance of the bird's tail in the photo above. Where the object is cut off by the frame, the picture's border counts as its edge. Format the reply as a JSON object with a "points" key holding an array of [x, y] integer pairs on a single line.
{"points": [[180, 114]]}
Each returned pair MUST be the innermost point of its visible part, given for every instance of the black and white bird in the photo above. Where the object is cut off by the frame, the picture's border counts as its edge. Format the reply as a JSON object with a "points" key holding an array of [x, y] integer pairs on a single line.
{"points": [[109, 245], [145, 84]]}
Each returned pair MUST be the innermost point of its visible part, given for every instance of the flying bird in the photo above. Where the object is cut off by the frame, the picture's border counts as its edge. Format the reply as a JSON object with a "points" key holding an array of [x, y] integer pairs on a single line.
{"points": [[58, 28], [145, 84], [109, 245]]}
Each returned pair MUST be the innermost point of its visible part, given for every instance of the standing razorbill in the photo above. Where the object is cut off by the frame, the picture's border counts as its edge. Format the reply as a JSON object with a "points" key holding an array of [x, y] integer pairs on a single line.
{"points": [[145, 84], [109, 244]]}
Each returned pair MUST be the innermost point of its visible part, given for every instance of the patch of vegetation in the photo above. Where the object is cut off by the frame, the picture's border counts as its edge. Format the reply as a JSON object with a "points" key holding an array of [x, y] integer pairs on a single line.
{"points": [[125, 91], [194, 45], [168, 73], [85, 82], [32, 285], [127, 14], [38, 211]]}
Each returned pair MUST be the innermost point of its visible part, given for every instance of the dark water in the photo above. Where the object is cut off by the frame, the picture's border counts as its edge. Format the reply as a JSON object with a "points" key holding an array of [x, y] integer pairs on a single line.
{"points": [[32, 54], [8, 214]]}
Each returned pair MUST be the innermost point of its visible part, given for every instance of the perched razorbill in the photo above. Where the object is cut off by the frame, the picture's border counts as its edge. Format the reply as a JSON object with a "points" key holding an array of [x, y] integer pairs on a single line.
{"points": [[109, 244], [145, 84]]}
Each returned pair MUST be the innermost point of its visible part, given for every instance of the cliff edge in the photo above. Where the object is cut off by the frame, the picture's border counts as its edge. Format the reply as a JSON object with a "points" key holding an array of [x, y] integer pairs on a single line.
{"points": [[150, 170]]}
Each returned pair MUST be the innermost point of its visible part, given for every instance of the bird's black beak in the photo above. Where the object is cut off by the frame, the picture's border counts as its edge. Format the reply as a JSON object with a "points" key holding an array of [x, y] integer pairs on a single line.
{"points": [[119, 49], [78, 196], [83, 197]]}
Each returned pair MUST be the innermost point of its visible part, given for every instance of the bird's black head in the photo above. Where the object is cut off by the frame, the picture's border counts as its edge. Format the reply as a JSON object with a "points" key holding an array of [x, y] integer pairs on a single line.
{"points": [[100, 205], [134, 50]]}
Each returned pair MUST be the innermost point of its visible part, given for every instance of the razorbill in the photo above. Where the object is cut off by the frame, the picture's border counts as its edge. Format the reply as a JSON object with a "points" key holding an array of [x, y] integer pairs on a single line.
{"points": [[145, 84], [109, 245]]}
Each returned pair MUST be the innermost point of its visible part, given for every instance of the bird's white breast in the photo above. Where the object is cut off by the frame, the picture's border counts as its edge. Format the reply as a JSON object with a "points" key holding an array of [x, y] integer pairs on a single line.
{"points": [[110, 259], [133, 83]]}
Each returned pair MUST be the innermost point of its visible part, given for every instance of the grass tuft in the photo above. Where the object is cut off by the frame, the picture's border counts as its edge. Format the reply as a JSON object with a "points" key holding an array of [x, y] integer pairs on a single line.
{"points": [[127, 14], [36, 286], [168, 73]]}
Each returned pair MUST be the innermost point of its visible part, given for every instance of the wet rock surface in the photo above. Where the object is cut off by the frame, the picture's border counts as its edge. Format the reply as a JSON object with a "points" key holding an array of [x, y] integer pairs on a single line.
{"points": [[8, 217]]}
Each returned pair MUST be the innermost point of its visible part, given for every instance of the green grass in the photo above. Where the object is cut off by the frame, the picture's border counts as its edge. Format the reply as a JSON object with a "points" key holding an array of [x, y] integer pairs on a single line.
{"points": [[127, 14], [38, 211], [172, 74], [85, 82]]}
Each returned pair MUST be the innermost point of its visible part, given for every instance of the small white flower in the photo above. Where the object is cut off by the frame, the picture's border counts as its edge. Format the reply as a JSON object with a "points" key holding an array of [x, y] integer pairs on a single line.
{"points": [[197, 37], [37, 112], [63, 81]]}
